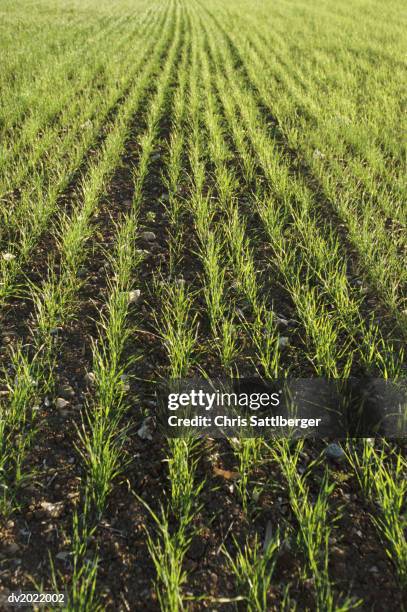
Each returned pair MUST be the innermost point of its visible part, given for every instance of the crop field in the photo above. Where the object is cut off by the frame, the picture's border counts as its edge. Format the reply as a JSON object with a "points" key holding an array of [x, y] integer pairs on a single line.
{"points": [[198, 188]]}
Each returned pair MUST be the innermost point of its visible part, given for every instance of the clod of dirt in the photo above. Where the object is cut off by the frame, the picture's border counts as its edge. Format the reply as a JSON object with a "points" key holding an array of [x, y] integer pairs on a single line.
{"points": [[226, 474], [134, 296], [335, 453], [147, 428], [61, 403], [55, 510], [197, 548], [10, 549], [148, 236]]}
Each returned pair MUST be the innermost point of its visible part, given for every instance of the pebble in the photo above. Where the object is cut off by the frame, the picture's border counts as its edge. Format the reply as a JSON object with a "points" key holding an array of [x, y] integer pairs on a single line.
{"points": [[334, 452], [90, 378], [281, 323], [213, 579], [8, 256], [61, 403], [53, 510], [147, 429], [283, 341], [148, 236], [134, 296], [337, 552], [66, 392]]}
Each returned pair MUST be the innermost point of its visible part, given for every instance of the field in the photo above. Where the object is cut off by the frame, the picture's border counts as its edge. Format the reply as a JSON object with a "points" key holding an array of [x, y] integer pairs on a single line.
{"points": [[198, 188]]}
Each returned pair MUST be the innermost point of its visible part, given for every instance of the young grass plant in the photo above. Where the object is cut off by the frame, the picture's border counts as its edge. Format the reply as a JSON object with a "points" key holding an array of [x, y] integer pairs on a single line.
{"points": [[178, 328], [253, 569], [82, 592], [314, 527], [382, 477]]}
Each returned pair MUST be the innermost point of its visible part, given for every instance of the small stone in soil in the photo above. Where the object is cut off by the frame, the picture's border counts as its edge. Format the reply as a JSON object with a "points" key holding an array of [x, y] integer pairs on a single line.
{"points": [[66, 392], [8, 256], [134, 296], [147, 429], [61, 403], [283, 341], [90, 378], [334, 452], [148, 236], [53, 510], [281, 323]]}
